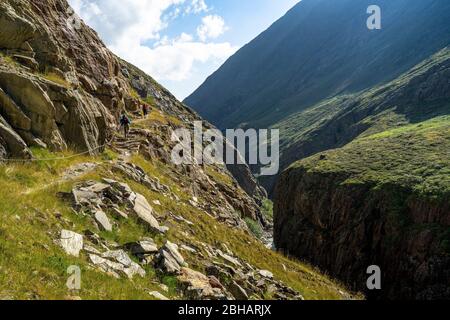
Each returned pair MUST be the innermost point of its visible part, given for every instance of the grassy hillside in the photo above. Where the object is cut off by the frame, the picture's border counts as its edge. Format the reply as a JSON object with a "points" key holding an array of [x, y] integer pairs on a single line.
{"points": [[32, 266], [415, 156]]}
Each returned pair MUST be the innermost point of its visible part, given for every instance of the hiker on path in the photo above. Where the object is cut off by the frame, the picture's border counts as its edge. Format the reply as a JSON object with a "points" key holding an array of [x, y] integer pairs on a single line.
{"points": [[145, 110], [125, 124]]}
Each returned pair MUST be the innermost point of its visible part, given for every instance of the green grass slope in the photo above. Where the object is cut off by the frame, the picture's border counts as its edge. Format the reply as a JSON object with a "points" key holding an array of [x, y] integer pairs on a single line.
{"points": [[32, 266], [415, 156]]}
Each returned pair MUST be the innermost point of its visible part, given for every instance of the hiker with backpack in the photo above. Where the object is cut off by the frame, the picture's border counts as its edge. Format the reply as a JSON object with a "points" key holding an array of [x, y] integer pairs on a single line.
{"points": [[125, 124], [145, 110]]}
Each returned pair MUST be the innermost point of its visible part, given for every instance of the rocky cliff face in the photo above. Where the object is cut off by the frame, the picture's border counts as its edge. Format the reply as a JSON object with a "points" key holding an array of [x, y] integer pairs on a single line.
{"points": [[59, 84], [344, 229], [61, 88]]}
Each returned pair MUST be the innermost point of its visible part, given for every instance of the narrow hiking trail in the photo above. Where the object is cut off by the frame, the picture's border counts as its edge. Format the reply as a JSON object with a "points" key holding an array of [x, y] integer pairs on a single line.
{"points": [[125, 147]]}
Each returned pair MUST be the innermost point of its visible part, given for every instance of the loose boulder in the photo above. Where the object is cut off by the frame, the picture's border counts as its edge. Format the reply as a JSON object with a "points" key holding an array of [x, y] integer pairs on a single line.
{"points": [[197, 286], [169, 259], [102, 220], [117, 262], [144, 211], [71, 242]]}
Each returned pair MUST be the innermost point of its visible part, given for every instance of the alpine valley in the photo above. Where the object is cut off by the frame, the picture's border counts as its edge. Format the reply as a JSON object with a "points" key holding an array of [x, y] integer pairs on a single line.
{"points": [[364, 119]]}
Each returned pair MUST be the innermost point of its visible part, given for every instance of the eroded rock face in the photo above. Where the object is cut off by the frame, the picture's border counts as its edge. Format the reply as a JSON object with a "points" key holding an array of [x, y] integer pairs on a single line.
{"points": [[65, 88], [12, 142], [344, 229]]}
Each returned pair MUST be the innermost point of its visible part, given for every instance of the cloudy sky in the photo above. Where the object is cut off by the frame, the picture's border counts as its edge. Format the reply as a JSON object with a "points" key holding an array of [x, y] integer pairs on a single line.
{"points": [[179, 42]]}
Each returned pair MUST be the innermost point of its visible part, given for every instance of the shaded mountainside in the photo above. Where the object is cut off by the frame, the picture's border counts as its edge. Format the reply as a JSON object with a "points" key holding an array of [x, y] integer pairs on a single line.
{"points": [[320, 49], [136, 225], [381, 192], [417, 95]]}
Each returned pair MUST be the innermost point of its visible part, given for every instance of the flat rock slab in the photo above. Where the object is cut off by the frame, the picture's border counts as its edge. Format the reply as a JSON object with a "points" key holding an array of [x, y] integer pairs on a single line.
{"points": [[144, 246], [103, 221], [119, 213], [266, 274], [197, 286], [229, 259], [169, 258], [89, 194], [117, 262], [145, 212], [71, 242]]}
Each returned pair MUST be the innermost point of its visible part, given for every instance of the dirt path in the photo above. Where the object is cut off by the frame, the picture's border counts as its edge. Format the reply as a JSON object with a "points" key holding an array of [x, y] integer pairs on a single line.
{"points": [[125, 147]]}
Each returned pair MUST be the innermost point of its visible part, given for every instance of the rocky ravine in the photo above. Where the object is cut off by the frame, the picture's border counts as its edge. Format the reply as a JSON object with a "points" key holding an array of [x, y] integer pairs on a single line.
{"points": [[344, 229], [381, 197]]}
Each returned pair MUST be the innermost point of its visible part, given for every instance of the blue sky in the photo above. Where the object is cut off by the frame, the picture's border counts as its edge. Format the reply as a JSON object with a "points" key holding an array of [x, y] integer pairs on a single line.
{"points": [[179, 42]]}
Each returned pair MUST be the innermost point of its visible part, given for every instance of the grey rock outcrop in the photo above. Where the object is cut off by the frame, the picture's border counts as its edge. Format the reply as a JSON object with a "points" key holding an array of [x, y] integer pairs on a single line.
{"points": [[51, 93], [158, 296], [169, 259], [117, 263], [98, 198], [71, 242], [14, 144]]}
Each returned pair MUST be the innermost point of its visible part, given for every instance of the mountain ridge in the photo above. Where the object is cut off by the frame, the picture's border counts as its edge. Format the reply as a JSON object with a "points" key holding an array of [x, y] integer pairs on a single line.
{"points": [[249, 88]]}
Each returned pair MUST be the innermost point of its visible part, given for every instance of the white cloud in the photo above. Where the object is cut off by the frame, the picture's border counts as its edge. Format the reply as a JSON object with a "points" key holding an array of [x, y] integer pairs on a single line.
{"points": [[174, 60], [197, 6], [124, 21], [212, 27], [126, 26]]}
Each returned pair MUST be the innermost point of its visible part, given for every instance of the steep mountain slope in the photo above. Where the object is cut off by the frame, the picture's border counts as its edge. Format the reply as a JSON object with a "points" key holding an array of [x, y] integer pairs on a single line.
{"points": [[415, 96], [319, 49], [120, 214], [382, 195]]}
